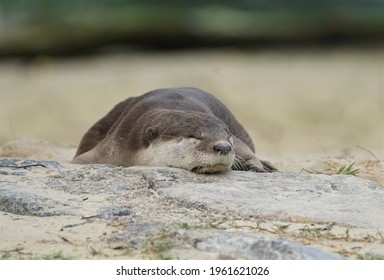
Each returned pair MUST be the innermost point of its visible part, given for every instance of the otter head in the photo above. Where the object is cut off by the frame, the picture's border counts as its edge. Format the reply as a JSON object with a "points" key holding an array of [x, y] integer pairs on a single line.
{"points": [[195, 141]]}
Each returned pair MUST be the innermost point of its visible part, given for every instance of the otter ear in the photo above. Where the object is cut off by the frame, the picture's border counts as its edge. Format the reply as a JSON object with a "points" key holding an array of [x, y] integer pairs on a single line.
{"points": [[152, 133]]}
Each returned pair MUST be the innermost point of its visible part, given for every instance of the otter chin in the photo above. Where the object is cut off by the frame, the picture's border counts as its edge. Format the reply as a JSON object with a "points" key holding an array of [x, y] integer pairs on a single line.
{"points": [[217, 168], [176, 127], [198, 155]]}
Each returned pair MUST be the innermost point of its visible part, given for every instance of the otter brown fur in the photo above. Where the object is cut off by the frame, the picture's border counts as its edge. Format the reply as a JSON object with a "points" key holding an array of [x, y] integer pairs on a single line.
{"points": [[176, 127]]}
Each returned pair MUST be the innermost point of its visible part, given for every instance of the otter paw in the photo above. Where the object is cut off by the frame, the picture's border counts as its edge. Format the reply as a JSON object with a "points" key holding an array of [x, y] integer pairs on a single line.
{"points": [[268, 166], [259, 166]]}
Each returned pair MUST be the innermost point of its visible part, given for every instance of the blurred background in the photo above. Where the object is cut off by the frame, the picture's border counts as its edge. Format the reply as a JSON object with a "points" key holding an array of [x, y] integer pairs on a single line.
{"points": [[301, 76]]}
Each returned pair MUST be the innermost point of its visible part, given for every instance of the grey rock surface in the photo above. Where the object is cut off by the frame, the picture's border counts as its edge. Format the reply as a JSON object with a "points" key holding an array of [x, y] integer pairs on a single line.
{"points": [[143, 203], [342, 199], [246, 247]]}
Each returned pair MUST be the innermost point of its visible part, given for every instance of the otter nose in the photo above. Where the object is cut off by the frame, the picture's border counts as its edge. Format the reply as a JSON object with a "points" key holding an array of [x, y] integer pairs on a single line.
{"points": [[222, 148]]}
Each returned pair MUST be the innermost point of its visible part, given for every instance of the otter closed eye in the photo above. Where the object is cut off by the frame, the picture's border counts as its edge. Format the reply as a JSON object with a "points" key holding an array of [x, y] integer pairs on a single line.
{"points": [[148, 130]]}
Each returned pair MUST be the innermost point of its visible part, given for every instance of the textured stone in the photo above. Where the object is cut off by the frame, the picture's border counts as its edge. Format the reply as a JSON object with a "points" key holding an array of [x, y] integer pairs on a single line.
{"points": [[151, 203], [241, 246]]}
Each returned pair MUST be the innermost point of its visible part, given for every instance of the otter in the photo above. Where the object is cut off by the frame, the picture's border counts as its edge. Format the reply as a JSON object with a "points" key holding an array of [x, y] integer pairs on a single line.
{"points": [[172, 127]]}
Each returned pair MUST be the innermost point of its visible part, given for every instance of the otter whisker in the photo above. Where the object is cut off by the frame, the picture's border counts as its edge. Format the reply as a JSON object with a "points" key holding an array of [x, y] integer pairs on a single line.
{"points": [[234, 165], [238, 162]]}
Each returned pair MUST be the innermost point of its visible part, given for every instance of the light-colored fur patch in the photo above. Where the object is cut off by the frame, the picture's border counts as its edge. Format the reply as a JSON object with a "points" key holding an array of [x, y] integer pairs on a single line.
{"points": [[182, 153]]}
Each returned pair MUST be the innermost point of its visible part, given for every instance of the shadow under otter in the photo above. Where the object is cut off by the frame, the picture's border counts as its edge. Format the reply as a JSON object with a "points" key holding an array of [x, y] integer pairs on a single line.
{"points": [[175, 127]]}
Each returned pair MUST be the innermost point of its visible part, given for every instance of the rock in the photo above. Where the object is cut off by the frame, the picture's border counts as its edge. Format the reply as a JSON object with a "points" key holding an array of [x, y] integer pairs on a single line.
{"points": [[246, 247], [145, 205], [115, 211], [347, 200]]}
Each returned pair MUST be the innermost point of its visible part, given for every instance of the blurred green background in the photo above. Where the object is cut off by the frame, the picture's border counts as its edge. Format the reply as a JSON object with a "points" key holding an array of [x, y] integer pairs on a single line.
{"points": [[56, 27]]}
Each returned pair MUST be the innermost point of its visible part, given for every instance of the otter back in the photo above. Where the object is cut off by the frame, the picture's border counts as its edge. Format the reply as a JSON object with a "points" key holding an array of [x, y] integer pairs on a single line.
{"points": [[176, 127]]}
